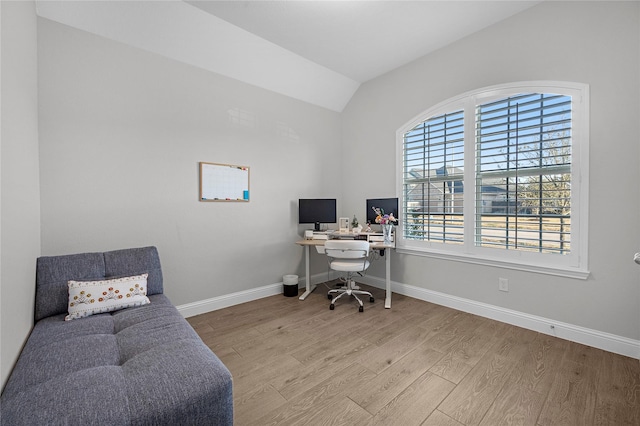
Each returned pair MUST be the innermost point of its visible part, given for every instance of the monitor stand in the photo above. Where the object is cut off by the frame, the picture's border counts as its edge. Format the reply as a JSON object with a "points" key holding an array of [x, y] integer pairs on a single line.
{"points": [[317, 227]]}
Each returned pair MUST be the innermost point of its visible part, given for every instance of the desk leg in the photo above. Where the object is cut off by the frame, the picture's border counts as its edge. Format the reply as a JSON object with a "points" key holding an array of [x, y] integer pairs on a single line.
{"points": [[309, 287], [387, 300]]}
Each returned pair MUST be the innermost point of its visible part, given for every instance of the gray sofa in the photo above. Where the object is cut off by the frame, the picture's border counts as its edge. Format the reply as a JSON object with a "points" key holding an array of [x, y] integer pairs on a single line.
{"points": [[137, 366]]}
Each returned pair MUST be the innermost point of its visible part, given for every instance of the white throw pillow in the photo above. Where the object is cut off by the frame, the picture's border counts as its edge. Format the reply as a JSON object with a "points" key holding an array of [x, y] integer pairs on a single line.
{"points": [[94, 297]]}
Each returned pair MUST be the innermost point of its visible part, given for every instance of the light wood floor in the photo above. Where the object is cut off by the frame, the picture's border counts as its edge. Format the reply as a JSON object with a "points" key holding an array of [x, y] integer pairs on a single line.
{"points": [[298, 363]]}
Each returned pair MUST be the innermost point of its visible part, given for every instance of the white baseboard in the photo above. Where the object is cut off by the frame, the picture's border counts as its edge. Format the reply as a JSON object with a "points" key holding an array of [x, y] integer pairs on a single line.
{"points": [[597, 339], [208, 305], [594, 338]]}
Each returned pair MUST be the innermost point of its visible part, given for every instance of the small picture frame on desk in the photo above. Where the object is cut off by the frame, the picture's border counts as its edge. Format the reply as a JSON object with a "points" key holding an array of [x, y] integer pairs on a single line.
{"points": [[343, 225]]}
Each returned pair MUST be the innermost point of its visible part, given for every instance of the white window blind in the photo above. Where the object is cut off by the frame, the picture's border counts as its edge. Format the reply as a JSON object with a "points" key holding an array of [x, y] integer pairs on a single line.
{"points": [[433, 179], [499, 176], [523, 173]]}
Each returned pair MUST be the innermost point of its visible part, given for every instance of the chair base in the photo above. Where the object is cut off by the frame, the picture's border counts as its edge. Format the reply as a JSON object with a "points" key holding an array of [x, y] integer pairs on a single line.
{"points": [[350, 289]]}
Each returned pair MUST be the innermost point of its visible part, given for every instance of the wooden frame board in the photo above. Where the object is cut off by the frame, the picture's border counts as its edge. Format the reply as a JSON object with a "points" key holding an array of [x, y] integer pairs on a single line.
{"points": [[224, 182]]}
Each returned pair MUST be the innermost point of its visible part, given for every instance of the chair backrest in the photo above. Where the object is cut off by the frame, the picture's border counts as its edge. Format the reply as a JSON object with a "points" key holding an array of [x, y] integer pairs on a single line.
{"points": [[347, 249]]}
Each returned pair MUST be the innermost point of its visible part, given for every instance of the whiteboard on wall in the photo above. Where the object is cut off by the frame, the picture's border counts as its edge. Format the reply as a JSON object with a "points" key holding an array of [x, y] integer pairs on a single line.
{"points": [[224, 182]]}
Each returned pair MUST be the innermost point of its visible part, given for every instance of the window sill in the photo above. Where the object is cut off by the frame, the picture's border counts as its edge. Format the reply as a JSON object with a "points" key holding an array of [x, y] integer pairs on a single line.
{"points": [[566, 272]]}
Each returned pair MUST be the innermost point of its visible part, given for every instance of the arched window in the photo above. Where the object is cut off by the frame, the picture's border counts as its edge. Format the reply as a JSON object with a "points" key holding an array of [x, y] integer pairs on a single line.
{"points": [[500, 176]]}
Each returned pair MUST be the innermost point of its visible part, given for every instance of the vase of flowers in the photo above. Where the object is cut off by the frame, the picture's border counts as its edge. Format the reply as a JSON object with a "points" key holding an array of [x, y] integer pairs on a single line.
{"points": [[386, 222]]}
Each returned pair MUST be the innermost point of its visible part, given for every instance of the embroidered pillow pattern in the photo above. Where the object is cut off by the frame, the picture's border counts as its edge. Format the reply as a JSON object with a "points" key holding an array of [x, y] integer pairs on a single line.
{"points": [[93, 297]]}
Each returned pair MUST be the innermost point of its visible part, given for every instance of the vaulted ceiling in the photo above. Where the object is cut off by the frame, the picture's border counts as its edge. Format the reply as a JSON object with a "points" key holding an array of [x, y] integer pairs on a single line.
{"points": [[315, 51]]}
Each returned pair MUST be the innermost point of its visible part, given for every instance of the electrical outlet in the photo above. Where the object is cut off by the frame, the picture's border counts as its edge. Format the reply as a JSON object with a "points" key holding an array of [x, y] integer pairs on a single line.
{"points": [[503, 284]]}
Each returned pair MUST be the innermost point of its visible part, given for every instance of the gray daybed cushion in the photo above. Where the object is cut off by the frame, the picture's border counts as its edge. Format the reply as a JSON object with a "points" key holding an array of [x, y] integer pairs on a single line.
{"points": [[137, 366]]}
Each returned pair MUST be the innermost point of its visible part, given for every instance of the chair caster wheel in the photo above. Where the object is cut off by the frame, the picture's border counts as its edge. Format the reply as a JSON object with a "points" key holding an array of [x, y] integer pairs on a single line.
{"points": [[329, 297], [361, 309], [332, 306], [371, 299]]}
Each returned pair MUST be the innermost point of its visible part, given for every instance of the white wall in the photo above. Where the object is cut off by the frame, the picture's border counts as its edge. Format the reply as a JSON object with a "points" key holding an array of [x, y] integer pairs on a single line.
{"points": [[590, 42], [121, 134], [20, 200]]}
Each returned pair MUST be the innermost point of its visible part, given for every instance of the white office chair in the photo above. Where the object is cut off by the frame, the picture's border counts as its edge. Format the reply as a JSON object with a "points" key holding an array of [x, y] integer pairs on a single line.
{"points": [[350, 256]]}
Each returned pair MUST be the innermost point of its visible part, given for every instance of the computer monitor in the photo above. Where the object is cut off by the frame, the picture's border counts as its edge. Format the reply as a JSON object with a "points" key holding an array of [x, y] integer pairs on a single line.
{"points": [[388, 205], [317, 211]]}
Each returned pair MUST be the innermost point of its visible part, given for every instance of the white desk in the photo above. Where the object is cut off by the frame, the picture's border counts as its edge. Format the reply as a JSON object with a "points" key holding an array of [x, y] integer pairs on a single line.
{"points": [[375, 245]]}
